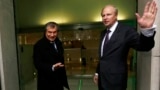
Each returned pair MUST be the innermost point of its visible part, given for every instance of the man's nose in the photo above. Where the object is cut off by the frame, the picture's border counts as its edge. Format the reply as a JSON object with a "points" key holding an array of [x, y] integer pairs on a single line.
{"points": [[52, 34]]}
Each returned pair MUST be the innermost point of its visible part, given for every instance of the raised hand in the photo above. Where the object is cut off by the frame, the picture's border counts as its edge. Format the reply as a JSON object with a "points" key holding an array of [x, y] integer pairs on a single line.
{"points": [[149, 15]]}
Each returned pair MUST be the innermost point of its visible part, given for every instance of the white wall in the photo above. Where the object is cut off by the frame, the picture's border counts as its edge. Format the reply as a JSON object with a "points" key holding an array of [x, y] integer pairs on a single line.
{"points": [[148, 63], [8, 54]]}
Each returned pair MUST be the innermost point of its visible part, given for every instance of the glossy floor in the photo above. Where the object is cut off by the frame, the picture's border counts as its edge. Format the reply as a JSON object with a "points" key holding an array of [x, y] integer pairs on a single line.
{"points": [[81, 83]]}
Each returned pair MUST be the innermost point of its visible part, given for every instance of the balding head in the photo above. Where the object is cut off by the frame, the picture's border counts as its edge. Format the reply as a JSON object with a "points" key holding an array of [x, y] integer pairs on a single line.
{"points": [[112, 7]]}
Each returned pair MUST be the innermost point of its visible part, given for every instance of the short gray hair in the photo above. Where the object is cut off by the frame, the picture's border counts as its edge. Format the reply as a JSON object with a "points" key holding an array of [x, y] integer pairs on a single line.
{"points": [[52, 25]]}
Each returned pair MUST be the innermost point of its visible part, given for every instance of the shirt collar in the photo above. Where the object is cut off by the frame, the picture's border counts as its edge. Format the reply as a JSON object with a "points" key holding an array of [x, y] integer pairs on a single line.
{"points": [[113, 28]]}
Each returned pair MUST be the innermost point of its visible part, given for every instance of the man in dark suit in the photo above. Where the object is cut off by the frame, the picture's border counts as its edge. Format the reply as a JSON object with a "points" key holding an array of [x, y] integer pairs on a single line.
{"points": [[112, 68], [49, 60]]}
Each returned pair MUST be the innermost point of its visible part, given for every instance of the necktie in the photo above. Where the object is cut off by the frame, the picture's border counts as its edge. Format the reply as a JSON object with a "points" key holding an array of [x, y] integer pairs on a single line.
{"points": [[106, 39], [54, 46]]}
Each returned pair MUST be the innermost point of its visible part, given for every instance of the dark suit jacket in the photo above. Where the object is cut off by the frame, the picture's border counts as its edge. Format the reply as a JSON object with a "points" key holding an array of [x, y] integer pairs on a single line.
{"points": [[44, 57], [114, 60]]}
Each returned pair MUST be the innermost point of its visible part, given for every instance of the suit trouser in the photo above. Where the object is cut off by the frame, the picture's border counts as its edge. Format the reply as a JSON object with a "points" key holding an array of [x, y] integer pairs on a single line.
{"points": [[49, 86], [113, 82]]}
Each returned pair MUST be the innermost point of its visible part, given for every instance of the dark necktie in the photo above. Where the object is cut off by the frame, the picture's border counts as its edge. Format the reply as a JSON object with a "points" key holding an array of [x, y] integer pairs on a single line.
{"points": [[106, 39], [54, 46]]}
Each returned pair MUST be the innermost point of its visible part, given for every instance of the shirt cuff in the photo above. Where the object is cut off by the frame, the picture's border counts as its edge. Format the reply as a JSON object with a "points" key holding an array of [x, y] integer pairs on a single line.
{"points": [[148, 32], [96, 74], [52, 68]]}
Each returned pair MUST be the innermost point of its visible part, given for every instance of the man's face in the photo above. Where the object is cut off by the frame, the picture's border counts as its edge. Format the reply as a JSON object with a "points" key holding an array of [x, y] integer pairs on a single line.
{"points": [[109, 16], [51, 33]]}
